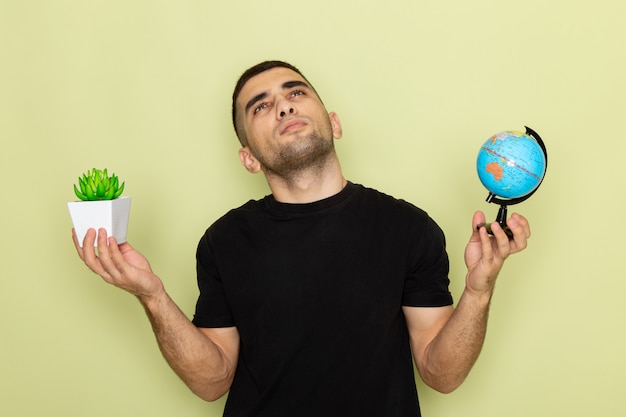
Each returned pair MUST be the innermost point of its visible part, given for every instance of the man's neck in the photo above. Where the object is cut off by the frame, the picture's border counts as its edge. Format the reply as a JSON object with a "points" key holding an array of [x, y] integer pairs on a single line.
{"points": [[308, 186]]}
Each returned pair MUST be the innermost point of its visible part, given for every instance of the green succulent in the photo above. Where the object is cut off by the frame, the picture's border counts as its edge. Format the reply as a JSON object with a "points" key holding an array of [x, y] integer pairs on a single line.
{"points": [[97, 185]]}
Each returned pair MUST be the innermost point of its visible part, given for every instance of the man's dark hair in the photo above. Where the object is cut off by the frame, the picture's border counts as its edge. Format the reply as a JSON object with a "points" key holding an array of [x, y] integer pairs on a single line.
{"points": [[249, 73]]}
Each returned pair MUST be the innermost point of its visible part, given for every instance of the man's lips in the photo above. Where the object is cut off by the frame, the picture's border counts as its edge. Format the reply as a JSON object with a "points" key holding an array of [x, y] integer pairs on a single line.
{"points": [[290, 125]]}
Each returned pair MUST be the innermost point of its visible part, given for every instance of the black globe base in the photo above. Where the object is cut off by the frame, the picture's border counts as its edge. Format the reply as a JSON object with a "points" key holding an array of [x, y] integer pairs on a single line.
{"points": [[501, 219]]}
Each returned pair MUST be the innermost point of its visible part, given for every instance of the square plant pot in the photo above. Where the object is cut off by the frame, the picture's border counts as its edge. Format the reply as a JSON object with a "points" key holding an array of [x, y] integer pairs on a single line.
{"points": [[111, 215]]}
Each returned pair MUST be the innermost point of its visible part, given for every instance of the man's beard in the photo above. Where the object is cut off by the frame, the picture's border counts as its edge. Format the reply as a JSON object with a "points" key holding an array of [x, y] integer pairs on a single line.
{"points": [[308, 154]]}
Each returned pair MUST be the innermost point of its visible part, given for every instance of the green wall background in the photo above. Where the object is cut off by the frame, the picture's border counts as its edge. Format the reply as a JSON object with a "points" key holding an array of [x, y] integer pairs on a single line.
{"points": [[143, 88]]}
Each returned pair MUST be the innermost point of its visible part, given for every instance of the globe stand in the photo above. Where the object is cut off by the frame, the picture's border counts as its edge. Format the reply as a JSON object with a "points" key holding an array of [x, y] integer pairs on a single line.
{"points": [[504, 203], [500, 219]]}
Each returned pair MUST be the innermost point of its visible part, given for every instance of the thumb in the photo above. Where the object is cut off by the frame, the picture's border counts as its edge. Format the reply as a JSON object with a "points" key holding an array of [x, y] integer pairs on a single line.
{"points": [[478, 221]]}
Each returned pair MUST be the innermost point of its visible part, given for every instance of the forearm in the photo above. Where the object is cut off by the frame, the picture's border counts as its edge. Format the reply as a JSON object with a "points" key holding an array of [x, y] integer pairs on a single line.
{"points": [[205, 360], [195, 358], [449, 347], [452, 353]]}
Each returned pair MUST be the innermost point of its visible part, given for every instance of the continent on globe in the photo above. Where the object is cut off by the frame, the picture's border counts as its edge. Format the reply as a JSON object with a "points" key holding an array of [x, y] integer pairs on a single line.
{"points": [[494, 169]]}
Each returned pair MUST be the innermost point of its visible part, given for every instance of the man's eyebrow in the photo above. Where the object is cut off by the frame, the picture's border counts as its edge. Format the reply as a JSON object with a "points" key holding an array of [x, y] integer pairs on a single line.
{"points": [[286, 85], [254, 99], [296, 83]]}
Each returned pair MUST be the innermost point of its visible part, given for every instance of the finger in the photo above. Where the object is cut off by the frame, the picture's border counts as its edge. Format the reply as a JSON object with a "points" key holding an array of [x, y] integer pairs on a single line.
{"points": [[502, 240], [79, 250], [520, 222], [116, 255], [112, 257], [102, 242], [480, 235], [521, 232], [89, 252], [478, 222], [104, 253], [107, 246], [486, 242]]}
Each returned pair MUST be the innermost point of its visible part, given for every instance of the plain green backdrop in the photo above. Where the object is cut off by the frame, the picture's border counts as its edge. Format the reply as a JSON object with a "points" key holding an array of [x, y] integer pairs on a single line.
{"points": [[143, 88]]}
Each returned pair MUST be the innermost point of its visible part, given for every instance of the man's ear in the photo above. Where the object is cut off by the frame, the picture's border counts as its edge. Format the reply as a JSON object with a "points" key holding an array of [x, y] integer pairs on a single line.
{"points": [[248, 160], [336, 125]]}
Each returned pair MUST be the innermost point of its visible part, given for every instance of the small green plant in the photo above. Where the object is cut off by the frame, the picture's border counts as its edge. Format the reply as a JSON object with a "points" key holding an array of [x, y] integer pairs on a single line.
{"points": [[98, 185]]}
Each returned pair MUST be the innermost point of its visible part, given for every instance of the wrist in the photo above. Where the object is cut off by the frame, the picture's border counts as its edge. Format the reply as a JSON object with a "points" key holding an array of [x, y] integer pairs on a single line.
{"points": [[478, 296], [152, 300]]}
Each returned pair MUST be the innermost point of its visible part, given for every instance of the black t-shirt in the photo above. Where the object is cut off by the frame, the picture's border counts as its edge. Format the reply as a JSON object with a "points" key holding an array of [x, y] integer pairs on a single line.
{"points": [[316, 292]]}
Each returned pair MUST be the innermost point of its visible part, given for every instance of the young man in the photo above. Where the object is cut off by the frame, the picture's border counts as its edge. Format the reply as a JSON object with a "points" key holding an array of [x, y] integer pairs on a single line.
{"points": [[315, 299]]}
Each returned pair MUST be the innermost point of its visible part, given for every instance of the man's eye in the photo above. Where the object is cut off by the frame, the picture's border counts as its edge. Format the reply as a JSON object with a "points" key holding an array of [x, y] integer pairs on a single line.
{"points": [[260, 107], [295, 93]]}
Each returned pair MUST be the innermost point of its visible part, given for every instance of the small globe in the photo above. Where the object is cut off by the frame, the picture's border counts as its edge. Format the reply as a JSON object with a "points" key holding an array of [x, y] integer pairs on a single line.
{"points": [[511, 164]]}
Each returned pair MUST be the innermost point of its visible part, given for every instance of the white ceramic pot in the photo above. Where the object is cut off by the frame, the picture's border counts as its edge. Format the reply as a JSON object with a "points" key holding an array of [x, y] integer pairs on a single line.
{"points": [[111, 215]]}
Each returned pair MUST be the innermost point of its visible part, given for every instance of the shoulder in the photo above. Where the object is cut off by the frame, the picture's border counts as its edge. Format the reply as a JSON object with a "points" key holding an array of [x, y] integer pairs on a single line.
{"points": [[235, 218], [388, 203], [404, 215], [249, 208]]}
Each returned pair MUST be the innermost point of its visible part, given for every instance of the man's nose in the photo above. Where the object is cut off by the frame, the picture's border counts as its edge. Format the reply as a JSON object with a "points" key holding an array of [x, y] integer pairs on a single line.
{"points": [[285, 108]]}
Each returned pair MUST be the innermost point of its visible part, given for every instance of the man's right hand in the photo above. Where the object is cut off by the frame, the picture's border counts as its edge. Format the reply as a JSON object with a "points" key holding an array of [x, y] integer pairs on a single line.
{"points": [[119, 265]]}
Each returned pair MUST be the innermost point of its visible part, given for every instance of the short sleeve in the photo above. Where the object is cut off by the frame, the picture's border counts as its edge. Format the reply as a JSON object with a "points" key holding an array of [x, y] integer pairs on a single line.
{"points": [[427, 282], [212, 308]]}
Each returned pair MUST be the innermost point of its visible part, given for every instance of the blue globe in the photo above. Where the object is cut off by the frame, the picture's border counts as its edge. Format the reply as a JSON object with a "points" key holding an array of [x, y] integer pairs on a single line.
{"points": [[511, 164]]}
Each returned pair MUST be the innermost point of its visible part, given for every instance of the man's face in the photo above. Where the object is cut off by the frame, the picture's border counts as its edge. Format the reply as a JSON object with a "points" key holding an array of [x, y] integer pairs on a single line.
{"points": [[285, 122]]}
